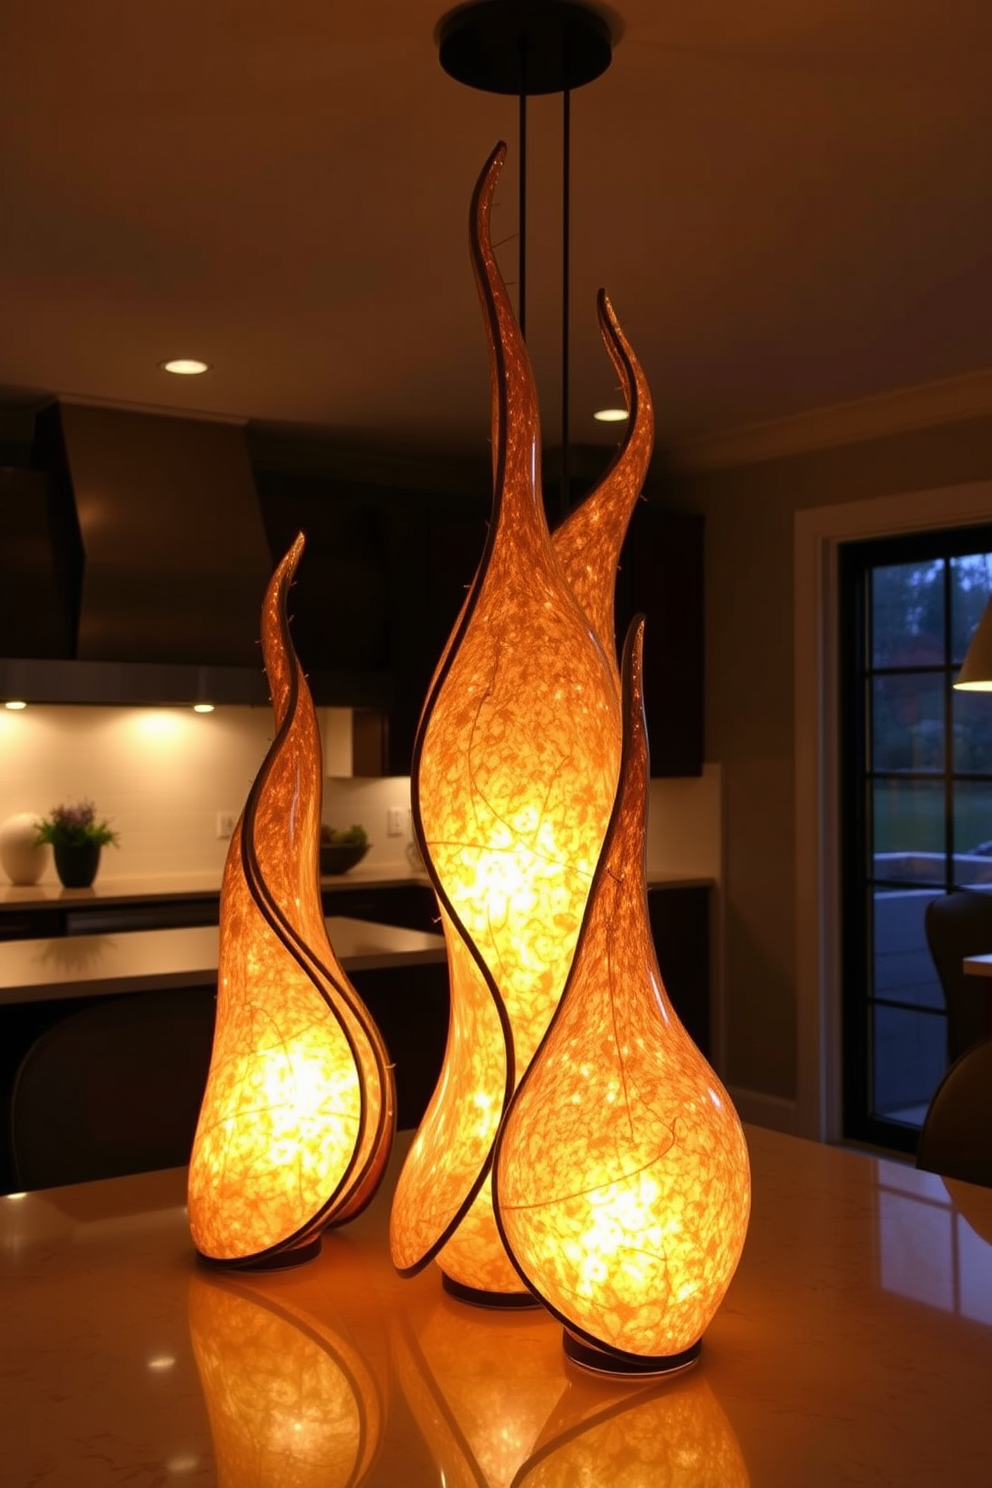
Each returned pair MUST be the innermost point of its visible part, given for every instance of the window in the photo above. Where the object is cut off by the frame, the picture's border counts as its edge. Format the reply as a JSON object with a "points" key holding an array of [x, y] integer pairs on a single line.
{"points": [[916, 783]]}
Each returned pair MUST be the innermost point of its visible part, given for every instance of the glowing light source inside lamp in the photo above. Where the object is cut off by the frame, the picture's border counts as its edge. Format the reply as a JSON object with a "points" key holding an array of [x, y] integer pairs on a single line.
{"points": [[515, 769], [299, 1110], [185, 366], [621, 1180], [611, 415]]}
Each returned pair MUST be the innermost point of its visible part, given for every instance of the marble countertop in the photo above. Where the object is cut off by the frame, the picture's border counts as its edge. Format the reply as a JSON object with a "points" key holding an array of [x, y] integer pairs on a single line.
{"points": [[854, 1348], [139, 960]]}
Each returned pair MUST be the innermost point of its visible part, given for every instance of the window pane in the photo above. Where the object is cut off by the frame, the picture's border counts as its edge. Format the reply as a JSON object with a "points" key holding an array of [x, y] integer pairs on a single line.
{"points": [[909, 1056], [972, 831], [907, 614], [907, 715], [971, 585], [904, 969], [972, 712], [909, 830]]}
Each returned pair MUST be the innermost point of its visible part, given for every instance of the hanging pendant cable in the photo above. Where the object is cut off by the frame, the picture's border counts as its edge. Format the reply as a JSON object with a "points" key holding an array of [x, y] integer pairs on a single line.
{"points": [[566, 130], [522, 209]]}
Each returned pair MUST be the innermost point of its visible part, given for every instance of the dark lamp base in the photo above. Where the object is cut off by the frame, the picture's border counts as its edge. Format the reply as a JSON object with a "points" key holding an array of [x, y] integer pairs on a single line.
{"points": [[476, 1297], [281, 1260], [605, 1361]]}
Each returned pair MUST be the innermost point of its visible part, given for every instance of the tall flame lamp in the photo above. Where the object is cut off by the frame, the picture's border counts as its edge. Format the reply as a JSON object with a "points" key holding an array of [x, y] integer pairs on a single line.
{"points": [[299, 1109], [976, 669]]}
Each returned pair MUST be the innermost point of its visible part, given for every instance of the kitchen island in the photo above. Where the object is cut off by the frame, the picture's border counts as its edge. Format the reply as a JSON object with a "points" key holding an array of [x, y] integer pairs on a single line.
{"points": [[854, 1348]]}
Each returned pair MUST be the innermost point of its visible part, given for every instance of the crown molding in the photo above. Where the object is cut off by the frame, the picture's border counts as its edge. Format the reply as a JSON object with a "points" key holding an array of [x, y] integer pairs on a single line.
{"points": [[895, 412]]}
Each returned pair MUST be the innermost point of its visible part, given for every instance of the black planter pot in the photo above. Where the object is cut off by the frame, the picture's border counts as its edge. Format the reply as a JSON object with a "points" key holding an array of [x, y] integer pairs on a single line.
{"points": [[76, 865]]}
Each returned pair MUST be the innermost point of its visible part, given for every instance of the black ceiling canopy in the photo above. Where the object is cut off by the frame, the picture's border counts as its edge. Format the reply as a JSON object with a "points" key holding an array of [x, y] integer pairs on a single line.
{"points": [[524, 46]]}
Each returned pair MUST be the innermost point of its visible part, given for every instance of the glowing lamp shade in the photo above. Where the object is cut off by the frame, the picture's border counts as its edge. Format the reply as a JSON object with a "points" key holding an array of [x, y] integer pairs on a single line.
{"points": [[291, 1400], [299, 1108], [622, 1186], [976, 669], [514, 774]]}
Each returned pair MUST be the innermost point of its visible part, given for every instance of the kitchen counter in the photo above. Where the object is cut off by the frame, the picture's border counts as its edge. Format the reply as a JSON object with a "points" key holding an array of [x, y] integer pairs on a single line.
{"points": [[854, 1348], [143, 960], [108, 890]]}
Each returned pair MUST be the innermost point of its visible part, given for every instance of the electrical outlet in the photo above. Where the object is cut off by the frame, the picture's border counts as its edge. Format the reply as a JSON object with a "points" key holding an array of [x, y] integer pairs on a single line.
{"points": [[394, 821], [226, 822]]}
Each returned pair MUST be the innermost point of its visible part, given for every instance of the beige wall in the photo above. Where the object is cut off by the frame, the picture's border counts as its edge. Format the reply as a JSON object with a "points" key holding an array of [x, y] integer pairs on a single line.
{"points": [[749, 515]]}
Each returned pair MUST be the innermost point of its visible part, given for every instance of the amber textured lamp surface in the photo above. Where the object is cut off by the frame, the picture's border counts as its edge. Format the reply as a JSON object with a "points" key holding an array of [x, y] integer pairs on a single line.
{"points": [[299, 1109], [514, 773], [292, 1403], [622, 1185]]}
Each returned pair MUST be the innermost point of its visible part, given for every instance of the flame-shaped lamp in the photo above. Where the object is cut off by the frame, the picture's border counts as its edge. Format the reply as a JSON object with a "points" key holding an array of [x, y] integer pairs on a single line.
{"points": [[621, 1177], [291, 1400], [299, 1109], [514, 775]]}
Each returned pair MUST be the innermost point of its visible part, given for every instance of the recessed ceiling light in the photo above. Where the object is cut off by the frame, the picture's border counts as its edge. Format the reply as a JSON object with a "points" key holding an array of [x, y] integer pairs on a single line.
{"points": [[15, 705], [185, 366], [203, 707], [611, 415]]}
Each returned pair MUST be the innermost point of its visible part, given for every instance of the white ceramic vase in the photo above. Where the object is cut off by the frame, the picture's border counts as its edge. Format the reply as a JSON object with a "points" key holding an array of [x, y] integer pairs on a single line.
{"points": [[22, 861]]}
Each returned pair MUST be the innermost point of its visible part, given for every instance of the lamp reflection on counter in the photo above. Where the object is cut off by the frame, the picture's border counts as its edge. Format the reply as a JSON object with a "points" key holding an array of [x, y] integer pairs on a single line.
{"points": [[621, 1179], [299, 1109], [291, 1400], [499, 1407]]}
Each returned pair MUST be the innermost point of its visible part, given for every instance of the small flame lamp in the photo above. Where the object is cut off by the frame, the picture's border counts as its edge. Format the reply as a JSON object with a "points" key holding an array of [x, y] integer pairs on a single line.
{"points": [[299, 1109], [621, 1179], [514, 774]]}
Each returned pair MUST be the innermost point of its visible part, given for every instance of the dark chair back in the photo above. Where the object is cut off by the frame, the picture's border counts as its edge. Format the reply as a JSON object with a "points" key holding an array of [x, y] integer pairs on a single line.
{"points": [[115, 1088], [957, 925], [956, 1140]]}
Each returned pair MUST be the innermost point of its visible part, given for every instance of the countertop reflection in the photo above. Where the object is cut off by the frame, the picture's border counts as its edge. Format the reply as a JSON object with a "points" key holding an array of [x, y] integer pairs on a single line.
{"points": [[855, 1346]]}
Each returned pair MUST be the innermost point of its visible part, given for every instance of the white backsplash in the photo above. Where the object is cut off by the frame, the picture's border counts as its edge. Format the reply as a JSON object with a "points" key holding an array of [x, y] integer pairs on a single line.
{"points": [[161, 775]]}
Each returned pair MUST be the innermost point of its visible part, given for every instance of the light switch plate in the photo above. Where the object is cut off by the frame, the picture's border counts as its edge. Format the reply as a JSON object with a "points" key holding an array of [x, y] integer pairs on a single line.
{"points": [[394, 821]]}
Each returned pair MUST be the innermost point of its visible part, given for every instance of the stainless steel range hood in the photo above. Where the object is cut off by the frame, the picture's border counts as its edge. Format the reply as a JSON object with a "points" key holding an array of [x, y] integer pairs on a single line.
{"points": [[156, 565]]}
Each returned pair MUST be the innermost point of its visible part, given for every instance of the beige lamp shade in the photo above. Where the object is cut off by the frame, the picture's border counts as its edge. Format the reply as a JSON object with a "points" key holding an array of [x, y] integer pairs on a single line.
{"points": [[621, 1185], [976, 669], [299, 1108], [291, 1400], [514, 774]]}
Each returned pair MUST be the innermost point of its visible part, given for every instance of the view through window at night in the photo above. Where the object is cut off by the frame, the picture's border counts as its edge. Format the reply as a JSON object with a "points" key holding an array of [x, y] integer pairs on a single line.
{"points": [[917, 809]]}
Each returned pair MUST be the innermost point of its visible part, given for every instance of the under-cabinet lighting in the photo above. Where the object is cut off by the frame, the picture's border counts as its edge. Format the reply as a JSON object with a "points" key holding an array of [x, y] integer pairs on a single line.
{"points": [[15, 705], [203, 707]]}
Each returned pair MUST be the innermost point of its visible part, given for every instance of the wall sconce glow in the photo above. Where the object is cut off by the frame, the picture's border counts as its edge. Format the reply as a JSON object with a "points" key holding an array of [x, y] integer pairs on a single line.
{"points": [[185, 366], [621, 1178], [976, 669], [203, 707], [611, 415], [299, 1109], [291, 1401], [15, 705], [514, 773]]}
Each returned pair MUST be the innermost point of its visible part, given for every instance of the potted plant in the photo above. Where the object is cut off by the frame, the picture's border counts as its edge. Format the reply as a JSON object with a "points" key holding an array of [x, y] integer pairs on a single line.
{"points": [[77, 839], [340, 851]]}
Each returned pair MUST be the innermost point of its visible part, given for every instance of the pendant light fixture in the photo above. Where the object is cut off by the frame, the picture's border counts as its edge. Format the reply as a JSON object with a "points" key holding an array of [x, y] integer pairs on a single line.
{"points": [[516, 760], [299, 1109]]}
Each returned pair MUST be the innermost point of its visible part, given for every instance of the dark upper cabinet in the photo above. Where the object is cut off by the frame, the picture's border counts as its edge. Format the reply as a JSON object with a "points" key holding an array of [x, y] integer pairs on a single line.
{"points": [[661, 577]]}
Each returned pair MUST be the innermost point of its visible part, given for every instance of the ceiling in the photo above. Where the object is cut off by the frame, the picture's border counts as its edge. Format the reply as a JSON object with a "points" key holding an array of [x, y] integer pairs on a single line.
{"points": [[790, 204]]}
